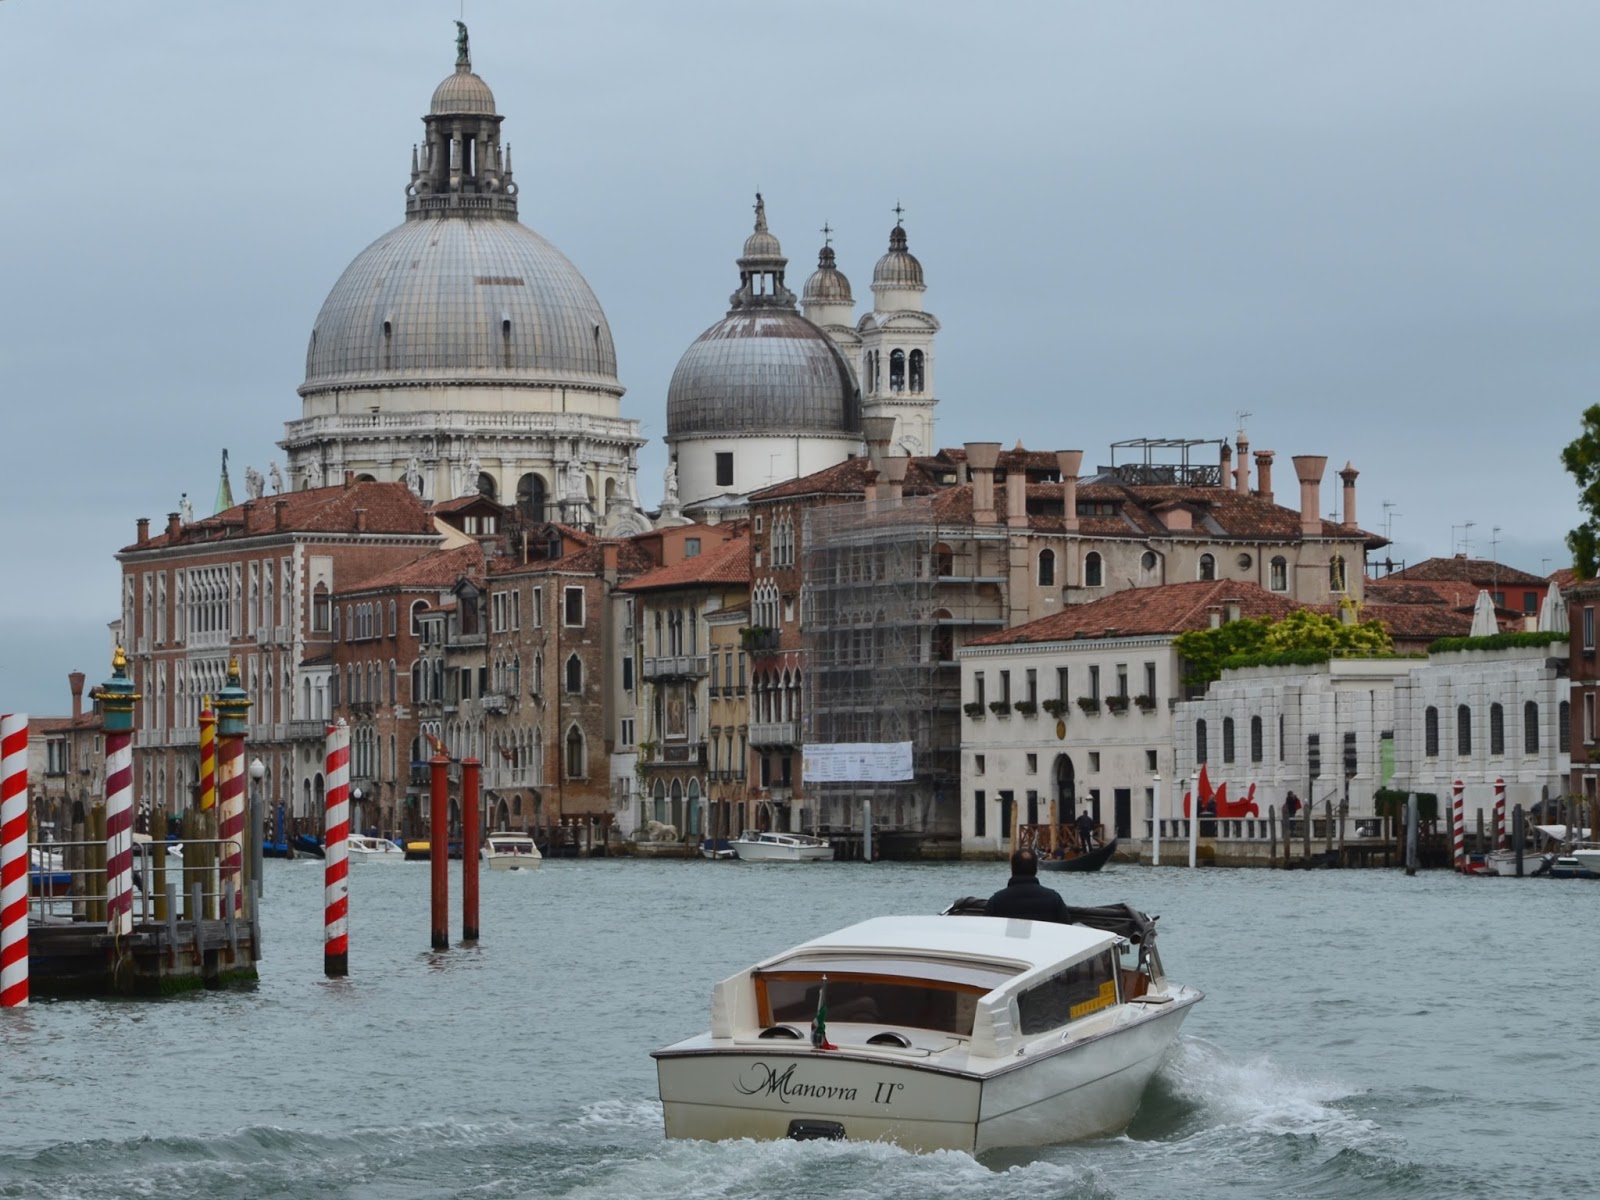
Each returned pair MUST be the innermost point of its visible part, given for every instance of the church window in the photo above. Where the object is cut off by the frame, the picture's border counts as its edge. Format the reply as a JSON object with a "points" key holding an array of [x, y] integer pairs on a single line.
{"points": [[531, 497], [1463, 730], [1430, 731], [897, 370], [724, 468], [1208, 567], [917, 376], [1530, 727], [1093, 570], [1047, 568], [1280, 574]]}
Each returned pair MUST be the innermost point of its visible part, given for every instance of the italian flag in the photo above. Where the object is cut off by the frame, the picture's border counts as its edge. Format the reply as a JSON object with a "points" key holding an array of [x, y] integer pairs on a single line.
{"points": [[819, 1023]]}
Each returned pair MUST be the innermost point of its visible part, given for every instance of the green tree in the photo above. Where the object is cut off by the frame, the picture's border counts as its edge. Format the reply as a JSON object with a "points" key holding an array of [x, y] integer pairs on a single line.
{"points": [[1304, 635], [1582, 461]]}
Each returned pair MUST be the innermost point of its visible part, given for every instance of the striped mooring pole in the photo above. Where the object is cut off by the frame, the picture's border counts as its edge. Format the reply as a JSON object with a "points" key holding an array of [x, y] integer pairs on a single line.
{"points": [[336, 848], [116, 697], [13, 860], [1458, 825], [1500, 842], [233, 708]]}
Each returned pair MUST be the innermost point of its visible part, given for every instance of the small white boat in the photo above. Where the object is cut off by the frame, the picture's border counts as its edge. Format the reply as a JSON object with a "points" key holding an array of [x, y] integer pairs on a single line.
{"points": [[360, 848], [769, 846], [510, 852], [958, 1032], [1588, 859]]}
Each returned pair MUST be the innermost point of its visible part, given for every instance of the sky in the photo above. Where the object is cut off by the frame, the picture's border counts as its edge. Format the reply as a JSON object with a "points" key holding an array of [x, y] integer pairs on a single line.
{"points": [[1367, 225]]}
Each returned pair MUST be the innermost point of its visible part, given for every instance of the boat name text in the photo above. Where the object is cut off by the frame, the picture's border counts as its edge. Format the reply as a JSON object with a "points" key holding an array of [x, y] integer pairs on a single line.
{"points": [[764, 1079]]}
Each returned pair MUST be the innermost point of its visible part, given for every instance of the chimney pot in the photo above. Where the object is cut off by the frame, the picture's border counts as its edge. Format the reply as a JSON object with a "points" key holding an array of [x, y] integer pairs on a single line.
{"points": [[1070, 462], [1348, 475], [75, 682], [1309, 468], [981, 460], [279, 509], [1264, 474], [1017, 495], [349, 479], [143, 526], [174, 524], [1241, 470]]}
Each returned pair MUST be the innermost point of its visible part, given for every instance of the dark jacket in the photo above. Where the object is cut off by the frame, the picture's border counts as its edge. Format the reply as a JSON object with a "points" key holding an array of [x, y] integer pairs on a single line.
{"points": [[1025, 897]]}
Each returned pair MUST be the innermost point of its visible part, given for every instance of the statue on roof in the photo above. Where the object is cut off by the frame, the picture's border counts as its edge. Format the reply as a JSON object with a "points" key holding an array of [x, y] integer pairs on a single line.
{"points": [[254, 483], [670, 482], [185, 509], [277, 478], [463, 57], [413, 475]]}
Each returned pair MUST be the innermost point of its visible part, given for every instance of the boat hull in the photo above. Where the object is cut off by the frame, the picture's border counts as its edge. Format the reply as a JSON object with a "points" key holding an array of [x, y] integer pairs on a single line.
{"points": [[1083, 1087], [511, 862], [1588, 859], [752, 851], [1091, 861]]}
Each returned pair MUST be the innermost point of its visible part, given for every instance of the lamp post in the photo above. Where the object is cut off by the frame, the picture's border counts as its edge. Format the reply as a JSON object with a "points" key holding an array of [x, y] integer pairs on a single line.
{"points": [[356, 822], [1155, 822], [258, 823]]}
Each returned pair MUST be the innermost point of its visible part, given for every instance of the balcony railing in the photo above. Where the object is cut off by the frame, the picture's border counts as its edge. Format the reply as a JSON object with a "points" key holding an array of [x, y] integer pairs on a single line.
{"points": [[494, 702], [774, 733], [677, 666]]}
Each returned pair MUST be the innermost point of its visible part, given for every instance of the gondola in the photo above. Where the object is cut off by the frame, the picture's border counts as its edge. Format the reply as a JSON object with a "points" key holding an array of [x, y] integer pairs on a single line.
{"points": [[1092, 861]]}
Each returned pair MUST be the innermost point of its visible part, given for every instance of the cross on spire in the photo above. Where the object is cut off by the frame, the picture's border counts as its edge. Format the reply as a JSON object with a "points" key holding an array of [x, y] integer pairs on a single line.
{"points": [[899, 217], [827, 234]]}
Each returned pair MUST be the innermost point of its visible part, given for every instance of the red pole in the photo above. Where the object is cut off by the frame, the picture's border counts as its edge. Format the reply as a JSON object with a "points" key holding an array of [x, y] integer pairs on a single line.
{"points": [[439, 851], [469, 849]]}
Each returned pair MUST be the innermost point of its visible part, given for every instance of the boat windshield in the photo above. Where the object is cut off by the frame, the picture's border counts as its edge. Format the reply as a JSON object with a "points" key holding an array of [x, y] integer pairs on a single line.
{"points": [[790, 997]]}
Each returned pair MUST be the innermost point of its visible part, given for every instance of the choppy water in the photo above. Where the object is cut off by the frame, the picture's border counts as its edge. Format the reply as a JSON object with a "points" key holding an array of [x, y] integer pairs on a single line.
{"points": [[1364, 1035]]}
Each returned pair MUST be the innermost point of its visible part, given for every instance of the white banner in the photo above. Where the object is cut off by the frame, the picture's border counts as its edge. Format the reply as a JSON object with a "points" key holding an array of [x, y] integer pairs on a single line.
{"points": [[857, 762]]}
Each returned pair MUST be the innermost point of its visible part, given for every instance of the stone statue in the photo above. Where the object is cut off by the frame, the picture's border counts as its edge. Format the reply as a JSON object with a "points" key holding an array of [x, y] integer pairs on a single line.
{"points": [[254, 484], [185, 509], [463, 57], [277, 478], [314, 474], [473, 470], [671, 492], [577, 485], [413, 476]]}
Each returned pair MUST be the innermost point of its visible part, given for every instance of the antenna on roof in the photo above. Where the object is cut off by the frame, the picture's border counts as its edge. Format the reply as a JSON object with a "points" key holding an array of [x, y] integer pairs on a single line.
{"points": [[1466, 537], [1494, 554], [1388, 519], [1240, 416]]}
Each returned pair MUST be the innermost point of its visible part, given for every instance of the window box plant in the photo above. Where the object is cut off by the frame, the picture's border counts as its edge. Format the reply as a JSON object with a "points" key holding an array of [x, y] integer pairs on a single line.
{"points": [[1026, 707], [973, 710], [1089, 704], [999, 708], [1146, 702], [1117, 704], [1056, 708]]}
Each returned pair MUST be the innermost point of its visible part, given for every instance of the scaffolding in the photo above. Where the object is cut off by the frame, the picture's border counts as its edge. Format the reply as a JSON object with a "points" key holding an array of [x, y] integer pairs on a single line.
{"points": [[888, 594]]}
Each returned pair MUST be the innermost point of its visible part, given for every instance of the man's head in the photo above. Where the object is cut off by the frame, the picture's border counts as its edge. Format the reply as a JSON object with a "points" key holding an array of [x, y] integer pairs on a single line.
{"points": [[1024, 862]]}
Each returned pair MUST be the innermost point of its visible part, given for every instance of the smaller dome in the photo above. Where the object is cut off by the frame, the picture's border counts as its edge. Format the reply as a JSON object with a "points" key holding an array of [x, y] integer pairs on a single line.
{"points": [[762, 244], [899, 268], [827, 284], [462, 92]]}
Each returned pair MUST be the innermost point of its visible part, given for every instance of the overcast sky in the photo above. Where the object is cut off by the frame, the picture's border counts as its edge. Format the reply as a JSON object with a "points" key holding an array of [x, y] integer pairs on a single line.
{"points": [[1369, 225]]}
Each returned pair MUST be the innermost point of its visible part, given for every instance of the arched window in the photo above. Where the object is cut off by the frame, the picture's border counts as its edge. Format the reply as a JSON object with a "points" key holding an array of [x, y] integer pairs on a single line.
{"points": [[531, 496], [897, 370], [1047, 568], [1208, 567], [574, 675], [1463, 730], [1093, 570], [1255, 739], [918, 377], [1227, 739], [319, 608], [1279, 577], [1564, 728], [1497, 729], [1530, 727], [1430, 732], [575, 753], [1199, 742], [1336, 573]]}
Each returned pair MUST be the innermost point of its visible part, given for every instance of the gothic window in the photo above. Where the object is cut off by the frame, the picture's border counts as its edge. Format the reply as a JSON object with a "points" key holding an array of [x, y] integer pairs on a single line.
{"points": [[897, 370], [1430, 731], [1093, 570], [1255, 739], [1227, 739], [1047, 568], [1497, 729], [1200, 741], [1208, 567], [575, 753], [1530, 727], [1279, 579], [1463, 730], [574, 674], [917, 381]]}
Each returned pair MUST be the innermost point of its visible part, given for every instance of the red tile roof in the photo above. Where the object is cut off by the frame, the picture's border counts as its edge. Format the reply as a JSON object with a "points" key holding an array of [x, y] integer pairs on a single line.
{"points": [[436, 570], [387, 508], [728, 563], [1147, 612], [1485, 573]]}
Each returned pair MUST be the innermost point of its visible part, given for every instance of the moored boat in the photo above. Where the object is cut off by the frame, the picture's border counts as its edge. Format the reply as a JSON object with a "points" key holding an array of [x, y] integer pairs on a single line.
{"points": [[960, 1032], [505, 851], [361, 848], [717, 848], [771, 846]]}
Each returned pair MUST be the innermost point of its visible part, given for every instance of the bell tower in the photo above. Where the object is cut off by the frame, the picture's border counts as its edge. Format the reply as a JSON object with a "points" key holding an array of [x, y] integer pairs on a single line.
{"points": [[897, 347]]}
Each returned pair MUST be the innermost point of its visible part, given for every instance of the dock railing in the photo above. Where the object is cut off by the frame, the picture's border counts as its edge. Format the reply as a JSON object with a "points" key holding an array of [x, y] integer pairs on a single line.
{"points": [[67, 882]]}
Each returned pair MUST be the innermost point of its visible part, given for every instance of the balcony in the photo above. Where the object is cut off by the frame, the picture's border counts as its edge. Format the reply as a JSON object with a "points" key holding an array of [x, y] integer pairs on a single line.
{"points": [[302, 730], [775, 733], [494, 702], [676, 666]]}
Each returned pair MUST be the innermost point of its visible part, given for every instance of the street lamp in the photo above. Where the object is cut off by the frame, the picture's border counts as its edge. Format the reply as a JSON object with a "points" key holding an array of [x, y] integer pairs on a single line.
{"points": [[355, 808], [258, 824]]}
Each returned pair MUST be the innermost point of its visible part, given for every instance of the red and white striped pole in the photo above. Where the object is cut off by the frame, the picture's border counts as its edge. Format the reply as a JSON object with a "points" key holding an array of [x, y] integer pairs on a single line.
{"points": [[1458, 826], [13, 860], [336, 847], [115, 698], [233, 708], [1501, 842]]}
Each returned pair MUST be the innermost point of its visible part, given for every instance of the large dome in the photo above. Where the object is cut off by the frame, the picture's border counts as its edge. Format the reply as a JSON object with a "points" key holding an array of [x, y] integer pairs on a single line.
{"points": [[438, 301], [763, 370]]}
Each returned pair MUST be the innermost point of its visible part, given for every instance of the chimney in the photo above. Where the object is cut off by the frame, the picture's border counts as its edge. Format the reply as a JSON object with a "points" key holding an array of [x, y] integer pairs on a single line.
{"points": [[1348, 475], [981, 460], [349, 480], [174, 525], [361, 519], [279, 508], [1264, 474], [1230, 609], [1241, 473], [1070, 463], [143, 527], [610, 557], [1225, 462], [894, 471], [877, 432], [1017, 493], [1309, 468], [75, 682]]}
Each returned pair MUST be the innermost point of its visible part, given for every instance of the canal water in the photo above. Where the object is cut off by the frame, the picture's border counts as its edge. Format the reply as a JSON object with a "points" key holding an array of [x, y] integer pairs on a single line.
{"points": [[1364, 1035]]}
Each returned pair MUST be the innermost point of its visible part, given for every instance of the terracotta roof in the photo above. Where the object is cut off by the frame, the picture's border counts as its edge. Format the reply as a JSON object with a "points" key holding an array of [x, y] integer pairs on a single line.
{"points": [[850, 478], [1563, 578], [1389, 591], [436, 570], [1484, 572], [389, 508], [1418, 622], [728, 563], [464, 502], [1147, 612]]}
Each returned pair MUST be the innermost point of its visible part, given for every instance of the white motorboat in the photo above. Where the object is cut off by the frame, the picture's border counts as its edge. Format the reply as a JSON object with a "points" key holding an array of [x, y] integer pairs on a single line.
{"points": [[1588, 859], [770, 846], [510, 852], [360, 848], [959, 1032]]}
